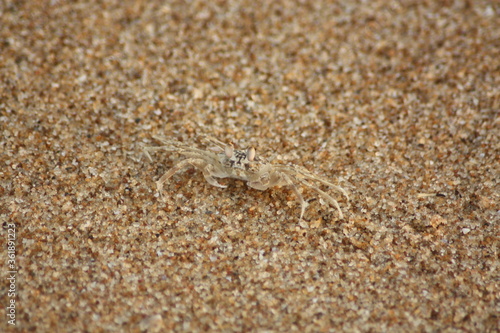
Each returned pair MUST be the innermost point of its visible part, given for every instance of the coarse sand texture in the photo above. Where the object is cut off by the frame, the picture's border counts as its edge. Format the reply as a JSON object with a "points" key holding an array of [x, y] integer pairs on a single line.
{"points": [[396, 102]]}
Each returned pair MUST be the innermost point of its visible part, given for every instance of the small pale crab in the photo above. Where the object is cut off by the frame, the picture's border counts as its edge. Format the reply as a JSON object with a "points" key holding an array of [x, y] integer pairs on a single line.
{"points": [[224, 161]]}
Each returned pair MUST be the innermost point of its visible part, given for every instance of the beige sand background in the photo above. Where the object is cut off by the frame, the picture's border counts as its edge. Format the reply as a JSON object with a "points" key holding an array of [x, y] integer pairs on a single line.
{"points": [[396, 101]]}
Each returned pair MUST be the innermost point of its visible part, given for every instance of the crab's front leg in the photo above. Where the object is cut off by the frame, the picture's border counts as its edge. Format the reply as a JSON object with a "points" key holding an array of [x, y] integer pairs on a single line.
{"points": [[209, 172], [206, 169], [303, 203], [324, 195], [267, 180], [176, 168]]}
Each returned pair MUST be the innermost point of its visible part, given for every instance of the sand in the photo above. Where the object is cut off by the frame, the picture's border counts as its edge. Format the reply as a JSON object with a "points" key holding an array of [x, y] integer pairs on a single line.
{"points": [[396, 101]]}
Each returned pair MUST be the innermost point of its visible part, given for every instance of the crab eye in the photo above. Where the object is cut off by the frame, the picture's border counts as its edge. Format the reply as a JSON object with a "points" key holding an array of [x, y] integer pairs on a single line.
{"points": [[229, 150], [251, 154]]}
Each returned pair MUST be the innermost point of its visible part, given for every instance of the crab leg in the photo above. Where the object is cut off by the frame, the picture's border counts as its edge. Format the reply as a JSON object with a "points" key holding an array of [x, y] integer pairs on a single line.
{"points": [[178, 147], [192, 153], [303, 203], [305, 173], [176, 168], [208, 172], [323, 194], [216, 142]]}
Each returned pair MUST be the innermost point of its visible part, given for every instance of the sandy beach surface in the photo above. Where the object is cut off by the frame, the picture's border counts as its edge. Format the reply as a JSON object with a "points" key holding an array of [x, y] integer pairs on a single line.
{"points": [[397, 102]]}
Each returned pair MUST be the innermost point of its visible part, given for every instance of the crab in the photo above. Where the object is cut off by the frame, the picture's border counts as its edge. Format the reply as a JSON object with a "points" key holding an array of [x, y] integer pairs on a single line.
{"points": [[224, 161]]}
